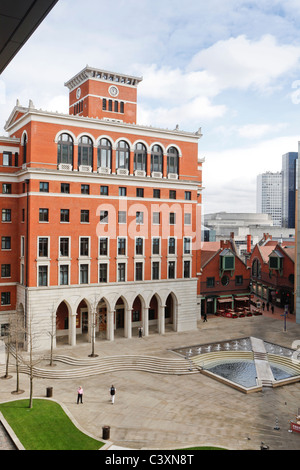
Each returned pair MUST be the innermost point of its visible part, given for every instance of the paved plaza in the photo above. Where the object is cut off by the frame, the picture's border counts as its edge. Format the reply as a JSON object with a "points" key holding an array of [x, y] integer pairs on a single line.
{"points": [[158, 411]]}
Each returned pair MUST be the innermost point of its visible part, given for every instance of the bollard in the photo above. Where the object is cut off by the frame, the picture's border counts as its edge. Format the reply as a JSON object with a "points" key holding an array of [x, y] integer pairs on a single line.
{"points": [[49, 392], [105, 432]]}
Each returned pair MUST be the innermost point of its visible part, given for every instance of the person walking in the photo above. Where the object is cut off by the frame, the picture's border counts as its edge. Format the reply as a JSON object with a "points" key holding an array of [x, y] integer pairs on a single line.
{"points": [[268, 305], [272, 308], [112, 394], [263, 306], [140, 332], [79, 395], [204, 317]]}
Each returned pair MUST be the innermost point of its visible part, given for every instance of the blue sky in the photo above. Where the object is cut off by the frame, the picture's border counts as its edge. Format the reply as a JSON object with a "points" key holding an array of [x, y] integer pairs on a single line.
{"points": [[231, 68]]}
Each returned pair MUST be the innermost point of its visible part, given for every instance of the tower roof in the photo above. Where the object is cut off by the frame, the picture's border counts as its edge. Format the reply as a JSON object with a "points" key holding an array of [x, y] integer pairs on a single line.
{"points": [[102, 75]]}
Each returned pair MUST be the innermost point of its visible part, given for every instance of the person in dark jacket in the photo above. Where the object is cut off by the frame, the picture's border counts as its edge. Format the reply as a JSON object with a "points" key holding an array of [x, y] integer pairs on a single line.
{"points": [[112, 394]]}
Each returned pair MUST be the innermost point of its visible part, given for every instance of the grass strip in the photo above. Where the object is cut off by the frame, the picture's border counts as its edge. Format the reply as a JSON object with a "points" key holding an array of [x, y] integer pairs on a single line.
{"points": [[45, 426]]}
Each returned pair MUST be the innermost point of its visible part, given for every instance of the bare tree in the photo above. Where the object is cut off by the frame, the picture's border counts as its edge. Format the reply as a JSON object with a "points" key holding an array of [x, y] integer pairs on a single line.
{"points": [[17, 337], [52, 333], [94, 305], [7, 341]]}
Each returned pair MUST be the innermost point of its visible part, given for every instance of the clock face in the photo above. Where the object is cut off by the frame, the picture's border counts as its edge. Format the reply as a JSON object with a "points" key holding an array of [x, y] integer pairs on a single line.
{"points": [[78, 93], [113, 90]]}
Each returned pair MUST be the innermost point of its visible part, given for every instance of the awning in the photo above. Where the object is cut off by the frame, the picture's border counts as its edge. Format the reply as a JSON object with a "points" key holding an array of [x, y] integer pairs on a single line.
{"points": [[225, 300], [242, 298]]}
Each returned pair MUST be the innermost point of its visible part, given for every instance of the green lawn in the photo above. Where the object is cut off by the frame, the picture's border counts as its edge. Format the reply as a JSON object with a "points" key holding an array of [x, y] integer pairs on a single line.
{"points": [[45, 426]]}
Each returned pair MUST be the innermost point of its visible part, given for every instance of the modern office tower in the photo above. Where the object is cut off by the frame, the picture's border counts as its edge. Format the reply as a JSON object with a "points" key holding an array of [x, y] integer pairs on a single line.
{"points": [[99, 217], [269, 195], [289, 189]]}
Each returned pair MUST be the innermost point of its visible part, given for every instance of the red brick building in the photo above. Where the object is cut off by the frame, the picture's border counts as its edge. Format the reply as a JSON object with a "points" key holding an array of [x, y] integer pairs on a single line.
{"points": [[224, 278], [99, 215], [272, 272]]}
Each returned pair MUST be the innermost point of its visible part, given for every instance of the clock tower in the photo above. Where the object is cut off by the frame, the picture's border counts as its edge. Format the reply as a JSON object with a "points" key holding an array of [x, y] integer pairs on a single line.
{"points": [[101, 94]]}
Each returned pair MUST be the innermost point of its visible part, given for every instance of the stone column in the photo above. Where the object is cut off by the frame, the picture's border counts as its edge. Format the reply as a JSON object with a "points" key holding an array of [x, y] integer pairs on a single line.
{"points": [[128, 323], [110, 325], [161, 320], [72, 329], [145, 321]]}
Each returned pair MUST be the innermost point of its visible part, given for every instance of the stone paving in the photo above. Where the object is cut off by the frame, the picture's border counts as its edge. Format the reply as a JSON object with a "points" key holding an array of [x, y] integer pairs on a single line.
{"points": [[154, 411]]}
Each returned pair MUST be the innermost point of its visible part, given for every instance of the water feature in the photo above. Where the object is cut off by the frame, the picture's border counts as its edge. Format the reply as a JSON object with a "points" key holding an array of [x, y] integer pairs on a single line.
{"points": [[240, 370]]}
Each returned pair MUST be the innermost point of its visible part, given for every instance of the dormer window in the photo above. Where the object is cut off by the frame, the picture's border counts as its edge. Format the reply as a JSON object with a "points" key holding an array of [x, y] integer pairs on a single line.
{"points": [[227, 261], [276, 261]]}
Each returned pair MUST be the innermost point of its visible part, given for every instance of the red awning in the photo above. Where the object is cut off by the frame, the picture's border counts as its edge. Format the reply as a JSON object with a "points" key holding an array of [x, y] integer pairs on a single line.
{"points": [[225, 300], [242, 298]]}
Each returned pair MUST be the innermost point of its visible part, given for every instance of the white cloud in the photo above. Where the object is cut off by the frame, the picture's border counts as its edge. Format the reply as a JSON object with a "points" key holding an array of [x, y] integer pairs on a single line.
{"points": [[229, 176], [243, 63]]}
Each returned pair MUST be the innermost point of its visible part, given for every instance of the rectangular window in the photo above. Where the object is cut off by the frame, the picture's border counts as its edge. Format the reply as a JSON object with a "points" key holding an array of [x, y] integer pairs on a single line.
{"points": [[172, 246], [5, 298], [7, 159], [104, 190], [139, 217], [156, 193], [172, 218], [121, 246], [186, 246], [139, 246], [64, 275], [5, 270], [5, 243], [84, 274], [103, 217], [172, 194], [85, 189], [6, 188], [155, 246], [65, 188], [156, 218], [238, 280], [171, 270], [44, 187], [210, 282], [64, 247], [43, 276], [187, 195], [139, 192], [43, 215], [122, 191], [6, 215], [138, 271], [187, 219], [103, 247], [121, 272], [187, 269], [122, 217], [64, 215], [84, 216], [84, 246], [103, 272], [155, 270], [104, 104], [43, 247]]}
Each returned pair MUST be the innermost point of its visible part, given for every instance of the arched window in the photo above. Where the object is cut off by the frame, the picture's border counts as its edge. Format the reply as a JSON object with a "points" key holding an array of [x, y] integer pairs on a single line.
{"points": [[65, 149], [140, 157], [85, 151], [24, 148], [172, 160], [156, 159], [256, 268], [123, 155], [104, 154]]}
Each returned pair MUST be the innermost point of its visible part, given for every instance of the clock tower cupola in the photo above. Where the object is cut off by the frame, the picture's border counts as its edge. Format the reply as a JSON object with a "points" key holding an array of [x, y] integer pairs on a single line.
{"points": [[101, 94]]}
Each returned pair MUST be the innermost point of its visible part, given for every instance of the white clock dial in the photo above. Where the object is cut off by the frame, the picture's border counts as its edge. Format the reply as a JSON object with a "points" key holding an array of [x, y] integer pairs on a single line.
{"points": [[113, 90], [78, 93]]}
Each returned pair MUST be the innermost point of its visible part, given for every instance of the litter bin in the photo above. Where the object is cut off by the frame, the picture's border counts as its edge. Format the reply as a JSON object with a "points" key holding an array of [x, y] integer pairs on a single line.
{"points": [[49, 392], [105, 432]]}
